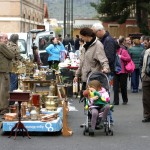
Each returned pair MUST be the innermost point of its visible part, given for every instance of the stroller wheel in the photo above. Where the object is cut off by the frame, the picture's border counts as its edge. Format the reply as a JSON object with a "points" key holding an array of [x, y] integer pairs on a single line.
{"points": [[86, 130], [111, 132], [91, 132], [106, 131]]}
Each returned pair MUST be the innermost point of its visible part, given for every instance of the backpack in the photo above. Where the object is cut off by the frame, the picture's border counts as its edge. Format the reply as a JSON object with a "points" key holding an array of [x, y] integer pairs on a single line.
{"points": [[117, 64], [130, 66], [147, 69]]}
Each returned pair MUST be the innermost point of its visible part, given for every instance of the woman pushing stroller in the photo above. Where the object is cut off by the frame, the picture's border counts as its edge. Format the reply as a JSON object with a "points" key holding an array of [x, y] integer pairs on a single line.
{"points": [[97, 101], [92, 57]]}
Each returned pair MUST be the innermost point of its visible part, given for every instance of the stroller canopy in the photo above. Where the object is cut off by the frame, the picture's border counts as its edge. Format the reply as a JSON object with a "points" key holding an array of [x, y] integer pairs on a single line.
{"points": [[101, 77]]}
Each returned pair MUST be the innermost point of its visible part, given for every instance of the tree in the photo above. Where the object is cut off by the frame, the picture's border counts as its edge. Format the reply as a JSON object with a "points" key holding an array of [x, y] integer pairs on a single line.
{"points": [[58, 30], [120, 11]]}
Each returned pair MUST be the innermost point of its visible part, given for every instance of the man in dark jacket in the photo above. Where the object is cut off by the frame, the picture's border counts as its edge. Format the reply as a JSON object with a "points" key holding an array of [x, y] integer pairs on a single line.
{"points": [[6, 56], [68, 43], [109, 47], [108, 42], [76, 43]]}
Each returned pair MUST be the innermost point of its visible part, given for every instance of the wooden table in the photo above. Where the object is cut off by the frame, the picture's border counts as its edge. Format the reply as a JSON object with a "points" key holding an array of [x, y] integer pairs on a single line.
{"points": [[31, 84]]}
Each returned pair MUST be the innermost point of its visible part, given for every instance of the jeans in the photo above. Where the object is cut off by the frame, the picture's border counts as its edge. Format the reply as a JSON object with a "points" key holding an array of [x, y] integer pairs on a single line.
{"points": [[110, 116], [135, 77], [110, 78], [13, 81], [13, 84]]}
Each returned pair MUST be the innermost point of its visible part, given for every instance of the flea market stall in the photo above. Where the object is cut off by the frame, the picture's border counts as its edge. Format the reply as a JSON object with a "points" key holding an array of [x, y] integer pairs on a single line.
{"points": [[40, 102]]}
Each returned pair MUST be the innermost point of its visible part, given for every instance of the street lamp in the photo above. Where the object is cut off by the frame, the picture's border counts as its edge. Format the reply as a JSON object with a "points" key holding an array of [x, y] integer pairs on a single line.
{"points": [[64, 18], [68, 17], [71, 18]]}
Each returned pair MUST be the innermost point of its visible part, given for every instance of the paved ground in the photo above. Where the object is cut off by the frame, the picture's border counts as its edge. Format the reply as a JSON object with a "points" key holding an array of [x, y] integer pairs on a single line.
{"points": [[129, 132]]}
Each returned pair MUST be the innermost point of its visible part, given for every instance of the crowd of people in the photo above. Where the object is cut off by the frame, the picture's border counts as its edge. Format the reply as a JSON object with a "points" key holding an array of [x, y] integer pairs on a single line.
{"points": [[98, 51], [128, 49]]}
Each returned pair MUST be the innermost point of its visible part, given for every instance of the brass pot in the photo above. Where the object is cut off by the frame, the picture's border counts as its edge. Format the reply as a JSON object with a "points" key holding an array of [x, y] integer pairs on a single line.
{"points": [[51, 103]]}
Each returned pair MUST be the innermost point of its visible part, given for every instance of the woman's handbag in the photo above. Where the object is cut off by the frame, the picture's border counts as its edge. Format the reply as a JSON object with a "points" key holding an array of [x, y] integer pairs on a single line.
{"points": [[130, 66]]}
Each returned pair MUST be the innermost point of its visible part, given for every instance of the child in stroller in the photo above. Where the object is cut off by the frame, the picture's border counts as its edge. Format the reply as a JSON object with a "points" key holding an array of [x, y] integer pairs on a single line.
{"points": [[97, 104]]}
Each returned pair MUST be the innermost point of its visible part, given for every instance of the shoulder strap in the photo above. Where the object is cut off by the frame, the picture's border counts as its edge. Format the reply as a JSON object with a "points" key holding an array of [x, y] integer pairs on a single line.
{"points": [[121, 51]]}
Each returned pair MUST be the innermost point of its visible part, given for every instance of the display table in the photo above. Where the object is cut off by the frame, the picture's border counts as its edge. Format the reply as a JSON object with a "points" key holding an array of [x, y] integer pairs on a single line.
{"points": [[31, 84], [59, 111], [38, 126]]}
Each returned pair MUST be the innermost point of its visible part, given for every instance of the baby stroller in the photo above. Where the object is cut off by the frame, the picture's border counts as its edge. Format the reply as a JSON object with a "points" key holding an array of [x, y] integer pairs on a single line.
{"points": [[106, 125]]}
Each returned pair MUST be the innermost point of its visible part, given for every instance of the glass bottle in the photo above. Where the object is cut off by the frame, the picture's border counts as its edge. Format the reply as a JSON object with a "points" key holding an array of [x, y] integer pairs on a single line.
{"points": [[27, 113], [33, 114]]}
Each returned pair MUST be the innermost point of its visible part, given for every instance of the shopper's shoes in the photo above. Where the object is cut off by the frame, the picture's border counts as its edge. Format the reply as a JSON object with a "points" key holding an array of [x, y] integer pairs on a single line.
{"points": [[115, 103], [146, 120], [112, 123], [91, 132], [124, 103], [135, 91], [82, 125]]}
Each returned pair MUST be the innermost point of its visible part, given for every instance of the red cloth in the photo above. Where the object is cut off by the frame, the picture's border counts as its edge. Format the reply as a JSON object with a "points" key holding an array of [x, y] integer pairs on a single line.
{"points": [[73, 67]]}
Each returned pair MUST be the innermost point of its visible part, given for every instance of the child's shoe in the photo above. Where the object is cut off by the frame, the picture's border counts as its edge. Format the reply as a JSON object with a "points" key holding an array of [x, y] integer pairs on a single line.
{"points": [[111, 123]]}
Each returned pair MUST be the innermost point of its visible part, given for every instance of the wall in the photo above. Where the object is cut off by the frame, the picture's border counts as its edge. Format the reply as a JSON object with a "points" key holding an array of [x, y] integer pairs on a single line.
{"points": [[21, 15], [129, 27]]}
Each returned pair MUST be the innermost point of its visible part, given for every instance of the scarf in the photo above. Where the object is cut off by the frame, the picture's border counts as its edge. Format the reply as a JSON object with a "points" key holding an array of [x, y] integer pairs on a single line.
{"points": [[88, 44]]}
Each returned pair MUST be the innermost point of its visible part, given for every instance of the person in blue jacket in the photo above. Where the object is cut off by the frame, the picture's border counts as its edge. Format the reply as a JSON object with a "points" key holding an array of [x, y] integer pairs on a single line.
{"points": [[54, 50]]}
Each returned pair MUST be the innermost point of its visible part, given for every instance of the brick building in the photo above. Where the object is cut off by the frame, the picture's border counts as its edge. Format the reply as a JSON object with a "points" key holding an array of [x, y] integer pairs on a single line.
{"points": [[115, 29], [21, 15]]}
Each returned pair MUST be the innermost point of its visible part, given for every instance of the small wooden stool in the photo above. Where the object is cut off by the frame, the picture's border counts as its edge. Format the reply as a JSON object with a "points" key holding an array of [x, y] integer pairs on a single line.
{"points": [[19, 97]]}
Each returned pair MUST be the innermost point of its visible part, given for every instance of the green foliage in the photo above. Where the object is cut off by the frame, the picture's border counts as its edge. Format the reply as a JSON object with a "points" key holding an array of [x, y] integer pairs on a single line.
{"points": [[120, 10], [58, 30]]}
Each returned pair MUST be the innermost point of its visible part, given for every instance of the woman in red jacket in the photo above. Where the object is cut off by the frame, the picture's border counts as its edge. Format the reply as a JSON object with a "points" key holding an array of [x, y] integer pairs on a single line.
{"points": [[120, 78]]}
